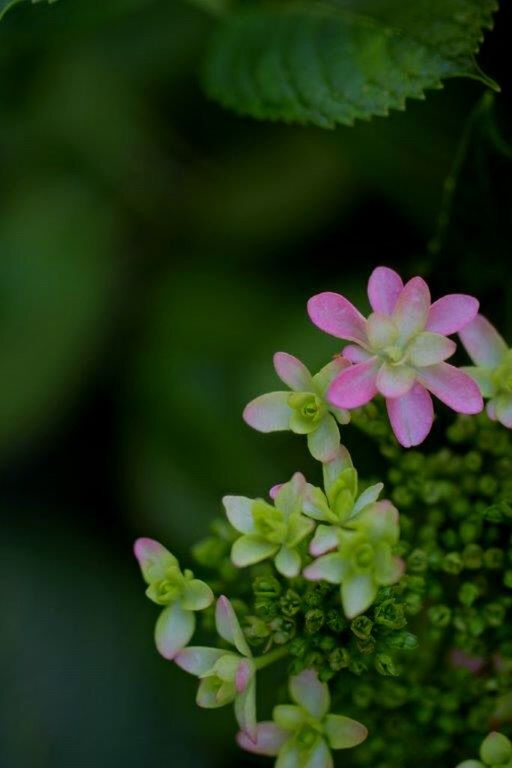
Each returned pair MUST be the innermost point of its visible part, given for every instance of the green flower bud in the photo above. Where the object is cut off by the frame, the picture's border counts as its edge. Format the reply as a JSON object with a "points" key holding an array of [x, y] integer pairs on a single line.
{"points": [[507, 579], [266, 587], [453, 563], [362, 627], [298, 647], [335, 620], [494, 614], [440, 615], [390, 614], [417, 562], [266, 609], [255, 630], [338, 659], [362, 695], [468, 593], [472, 556], [314, 620], [405, 641], [494, 558], [385, 665], [290, 603], [210, 552]]}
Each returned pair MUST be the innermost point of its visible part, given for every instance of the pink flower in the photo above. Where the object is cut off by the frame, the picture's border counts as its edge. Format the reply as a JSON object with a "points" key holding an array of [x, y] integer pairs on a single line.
{"points": [[399, 351]]}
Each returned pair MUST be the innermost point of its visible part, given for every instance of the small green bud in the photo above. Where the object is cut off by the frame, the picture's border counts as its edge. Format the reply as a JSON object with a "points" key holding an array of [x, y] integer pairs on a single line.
{"points": [[298, 647], [473, 461], [385, 665], [357, 667], [468, 593], [209, 552], [362, 627], [405, 641], [472, 556], [314, 620], [314, 595], [494, 558], [417, 562], [314, 660], [494, 614], [335, 621], [362, 695], [470, 530], [255, 630], [267, 609], [453, 563], [338, 659], [366, 647], [507, 579], [390, 614], [290, 603], [487, 485], [266, 587], [440, 615]]}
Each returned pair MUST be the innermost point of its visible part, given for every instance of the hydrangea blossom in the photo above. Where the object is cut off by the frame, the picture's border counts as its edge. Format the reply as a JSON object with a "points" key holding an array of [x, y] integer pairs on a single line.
{"points": [[400, 351], [302, 735], [363, 559], [178, 591], [493, 367], [496, 752], [339, 503], [225, 676], [270, 530], [304, 410]]}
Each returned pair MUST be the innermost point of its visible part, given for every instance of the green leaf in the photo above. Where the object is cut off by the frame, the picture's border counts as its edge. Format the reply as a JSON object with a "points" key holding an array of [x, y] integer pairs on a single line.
{"points": [[335, 62], [5, 5]]}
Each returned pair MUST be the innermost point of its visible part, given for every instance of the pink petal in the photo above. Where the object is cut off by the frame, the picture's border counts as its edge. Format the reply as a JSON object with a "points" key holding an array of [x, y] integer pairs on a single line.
{"points": [[154, 559], [384, 287], [411, 416], [355, 386], [228, 627], [356, 354], [395, 381], [483, 343], [242, 675], [269, 740], [451, 313], [453, 387], [411, 310], [334, 314], [309, 692], [275, 490], [292, 372], [269, 413]]}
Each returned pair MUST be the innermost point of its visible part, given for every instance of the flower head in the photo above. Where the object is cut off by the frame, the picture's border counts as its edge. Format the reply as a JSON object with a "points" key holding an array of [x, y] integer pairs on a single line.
{"points": [[304, 410], [302, 734], [270, 530], [340, 502], [399, 351], [496, 751], [226, 676], [493, 367], [363, 540], [179, 593]]}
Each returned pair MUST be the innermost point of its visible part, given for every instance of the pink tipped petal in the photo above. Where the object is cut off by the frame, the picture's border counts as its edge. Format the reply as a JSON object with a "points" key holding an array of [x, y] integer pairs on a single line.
{"points": [[451, 313], [292, 372], [503, 406], [228, 627], [335, 315], [430, 348], [324, 540], [343, 732], [173, 630], [411, 416], [238, 511], [453, 387], [355, 386], [411, 310], [269, 413], [269, 740], [329, 568], [384, 288], [395, 380], [275, 490], [245, 709], [307, 691], [243, 675], [483, 343], [355, 354], [197, 660], [154, 559], [357, 594]]}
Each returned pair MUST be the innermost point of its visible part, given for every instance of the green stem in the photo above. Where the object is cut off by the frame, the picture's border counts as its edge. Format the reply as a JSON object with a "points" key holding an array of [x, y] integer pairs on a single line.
{"points": [[269, 658]]}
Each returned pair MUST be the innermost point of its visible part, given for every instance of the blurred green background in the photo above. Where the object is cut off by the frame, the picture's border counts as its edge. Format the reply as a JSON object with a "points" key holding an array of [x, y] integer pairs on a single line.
{"points": [[154, 252]]}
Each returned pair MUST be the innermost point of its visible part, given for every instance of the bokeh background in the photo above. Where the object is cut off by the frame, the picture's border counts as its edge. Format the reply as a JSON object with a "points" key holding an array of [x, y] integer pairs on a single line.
{"points": [[155, 251]]}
